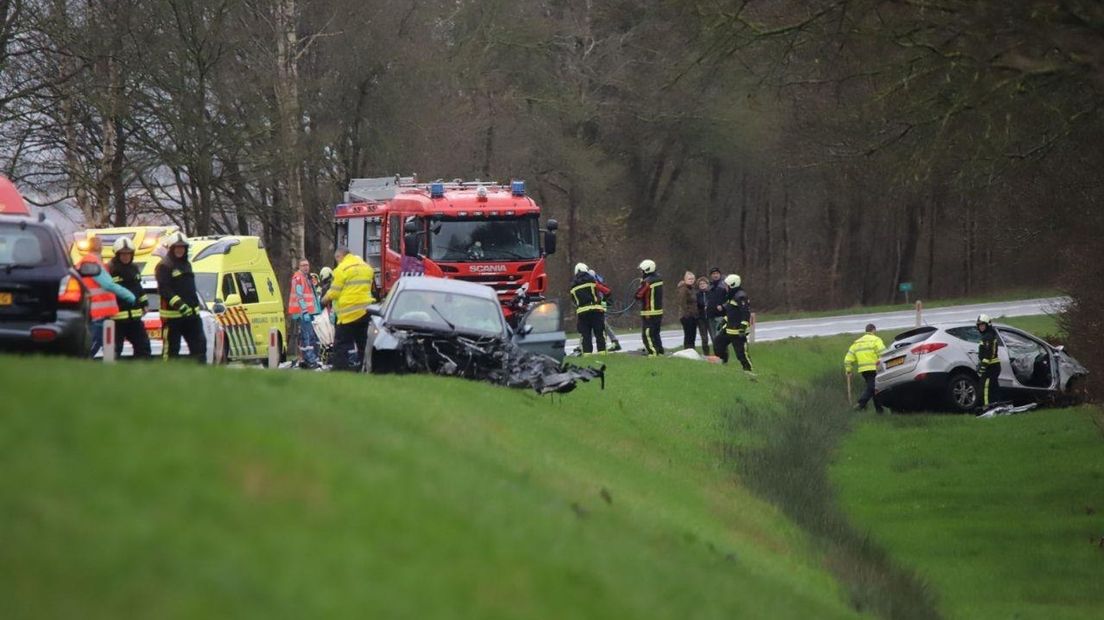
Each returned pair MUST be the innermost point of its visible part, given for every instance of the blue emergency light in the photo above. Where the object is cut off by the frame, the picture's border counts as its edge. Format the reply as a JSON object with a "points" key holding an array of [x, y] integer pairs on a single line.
{"points": [[517, 188], [436, 190]]}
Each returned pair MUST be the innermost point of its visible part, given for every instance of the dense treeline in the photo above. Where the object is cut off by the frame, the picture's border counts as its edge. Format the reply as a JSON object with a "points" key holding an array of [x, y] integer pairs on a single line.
{"points": [[828, 150]]}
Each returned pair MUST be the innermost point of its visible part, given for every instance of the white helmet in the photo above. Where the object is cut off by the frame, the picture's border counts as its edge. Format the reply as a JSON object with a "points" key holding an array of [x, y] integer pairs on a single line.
{"points": [[177, 238], [984, 318], [648, 266], [580, 268], [123, 244], [732, 280]]}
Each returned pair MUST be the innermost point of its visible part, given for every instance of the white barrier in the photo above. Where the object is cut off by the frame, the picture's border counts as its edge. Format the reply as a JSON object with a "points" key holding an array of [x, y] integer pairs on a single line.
{"points": [[109, 341], [273, 348], [220, 345], [919, 313]]}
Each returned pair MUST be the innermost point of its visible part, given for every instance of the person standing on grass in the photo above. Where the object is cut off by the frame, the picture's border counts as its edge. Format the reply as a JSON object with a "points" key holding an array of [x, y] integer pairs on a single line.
{"points": [[591, 314], [736, 324], [350, 295], [704, 329], [864, 354], [303, 306], [611, 335], [686, 297], [989, 366], [650, 295], [715, 299]]}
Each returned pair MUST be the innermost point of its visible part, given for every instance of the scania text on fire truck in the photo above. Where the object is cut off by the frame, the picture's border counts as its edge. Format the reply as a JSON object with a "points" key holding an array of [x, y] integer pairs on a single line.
{"points": [[474, 231]]}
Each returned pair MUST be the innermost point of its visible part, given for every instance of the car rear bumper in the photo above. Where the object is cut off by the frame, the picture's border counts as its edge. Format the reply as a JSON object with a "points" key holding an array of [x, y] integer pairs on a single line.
{"points": [[916, 388], [70, 331]]}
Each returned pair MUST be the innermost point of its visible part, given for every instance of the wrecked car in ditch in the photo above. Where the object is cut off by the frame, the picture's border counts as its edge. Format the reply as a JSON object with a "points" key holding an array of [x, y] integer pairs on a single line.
{"points": [[456, 328], [936, 367]]}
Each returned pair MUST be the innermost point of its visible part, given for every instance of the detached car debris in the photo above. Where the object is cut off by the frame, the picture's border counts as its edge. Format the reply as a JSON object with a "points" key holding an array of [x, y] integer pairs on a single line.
{"points": [[456, 328]]}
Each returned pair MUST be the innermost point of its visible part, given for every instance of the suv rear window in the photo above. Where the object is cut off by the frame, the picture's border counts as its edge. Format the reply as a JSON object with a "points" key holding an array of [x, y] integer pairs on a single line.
{"points": [[26, 245], [969, 333]]}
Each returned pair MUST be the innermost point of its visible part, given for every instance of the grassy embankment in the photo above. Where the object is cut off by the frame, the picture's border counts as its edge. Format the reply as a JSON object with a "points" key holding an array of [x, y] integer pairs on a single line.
{"points": [[222, 492], [146, 491]]}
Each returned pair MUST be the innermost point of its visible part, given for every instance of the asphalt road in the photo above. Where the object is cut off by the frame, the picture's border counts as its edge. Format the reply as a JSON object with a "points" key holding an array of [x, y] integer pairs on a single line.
{"points": [[887, 322]]}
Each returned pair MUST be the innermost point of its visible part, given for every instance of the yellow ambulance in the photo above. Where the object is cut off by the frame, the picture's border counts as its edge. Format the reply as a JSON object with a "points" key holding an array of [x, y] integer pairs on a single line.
{"points": [[233, 274], [147, 241]]}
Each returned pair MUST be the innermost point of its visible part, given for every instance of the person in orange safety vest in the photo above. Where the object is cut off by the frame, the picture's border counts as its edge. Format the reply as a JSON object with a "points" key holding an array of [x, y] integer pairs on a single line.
{"points": [[303, 306]]}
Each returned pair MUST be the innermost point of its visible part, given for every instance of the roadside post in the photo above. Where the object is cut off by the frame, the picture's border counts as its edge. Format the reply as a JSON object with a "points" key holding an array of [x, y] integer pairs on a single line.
{"points": [[751, 337], [220, 344], [109, 341], [273, 348], [919, 313]]}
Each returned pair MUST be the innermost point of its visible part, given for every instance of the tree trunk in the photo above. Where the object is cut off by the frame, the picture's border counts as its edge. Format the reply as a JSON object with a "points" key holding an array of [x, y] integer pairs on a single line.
{"points": [[289, 113]]}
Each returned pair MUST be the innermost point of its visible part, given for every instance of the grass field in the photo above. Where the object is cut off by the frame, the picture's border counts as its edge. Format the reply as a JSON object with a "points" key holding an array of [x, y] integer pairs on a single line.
{"points": [[148, 491], [683, 490]]}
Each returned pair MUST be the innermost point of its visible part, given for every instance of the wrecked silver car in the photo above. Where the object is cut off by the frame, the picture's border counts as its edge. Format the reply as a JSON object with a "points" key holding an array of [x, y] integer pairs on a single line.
{"points": [[935, 366], [456, 328]]}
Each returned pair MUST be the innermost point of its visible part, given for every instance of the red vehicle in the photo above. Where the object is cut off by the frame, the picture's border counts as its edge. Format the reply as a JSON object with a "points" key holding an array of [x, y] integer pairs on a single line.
{"points": [[474, 231]]}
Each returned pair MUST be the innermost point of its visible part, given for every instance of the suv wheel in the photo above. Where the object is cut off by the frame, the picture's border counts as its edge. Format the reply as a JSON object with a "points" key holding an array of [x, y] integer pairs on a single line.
{"points": [[963, 392]]}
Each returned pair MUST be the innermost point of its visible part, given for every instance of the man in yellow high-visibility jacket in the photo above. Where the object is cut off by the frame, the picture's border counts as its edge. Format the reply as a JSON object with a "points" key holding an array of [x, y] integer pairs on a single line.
{"points": [[350, 294], [864, 354]]}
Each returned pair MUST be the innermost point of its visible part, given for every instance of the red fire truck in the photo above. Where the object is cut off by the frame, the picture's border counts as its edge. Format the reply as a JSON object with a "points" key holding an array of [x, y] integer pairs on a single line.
{"points": [[475, 231]]}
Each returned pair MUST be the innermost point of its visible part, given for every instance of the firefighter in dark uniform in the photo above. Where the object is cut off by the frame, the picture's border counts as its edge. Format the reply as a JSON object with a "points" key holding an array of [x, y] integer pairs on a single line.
{"points": [[179, 302], [650, 295], [128, 321], [989, 366], [736, 324], [587, 294]]}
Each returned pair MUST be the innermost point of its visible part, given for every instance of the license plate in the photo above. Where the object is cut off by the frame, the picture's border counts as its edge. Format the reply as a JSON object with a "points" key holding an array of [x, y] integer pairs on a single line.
{"points": [[5, 299], [897, 361]]}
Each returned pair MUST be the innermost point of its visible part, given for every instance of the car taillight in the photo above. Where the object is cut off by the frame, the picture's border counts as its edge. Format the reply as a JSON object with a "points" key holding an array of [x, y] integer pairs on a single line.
{"points": [[927, 347], [70, 291]]}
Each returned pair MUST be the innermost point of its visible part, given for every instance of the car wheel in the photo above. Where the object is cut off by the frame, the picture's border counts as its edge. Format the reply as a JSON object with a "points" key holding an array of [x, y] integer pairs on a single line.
{"points": [[963, 392]]}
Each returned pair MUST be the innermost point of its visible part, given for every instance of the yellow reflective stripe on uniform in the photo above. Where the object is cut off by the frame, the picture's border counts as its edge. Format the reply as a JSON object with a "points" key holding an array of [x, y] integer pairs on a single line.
{"points": [[170, 314], [582, 309], [992, 360], [651, 313], [175, 299], [128, 314], [352, 309], [360, 281]]}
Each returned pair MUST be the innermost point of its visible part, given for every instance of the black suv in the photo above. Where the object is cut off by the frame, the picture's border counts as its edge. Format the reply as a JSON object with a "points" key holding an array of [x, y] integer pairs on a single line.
{"points": [[43, 304]]}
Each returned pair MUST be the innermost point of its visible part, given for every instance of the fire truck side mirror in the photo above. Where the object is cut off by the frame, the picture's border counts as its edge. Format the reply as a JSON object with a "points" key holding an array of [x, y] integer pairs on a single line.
{"points": [[550, 237], [412, 245]]}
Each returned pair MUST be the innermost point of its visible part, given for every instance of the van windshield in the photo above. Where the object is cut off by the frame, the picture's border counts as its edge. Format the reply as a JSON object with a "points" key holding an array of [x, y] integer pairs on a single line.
{"points": [[205, 286]]}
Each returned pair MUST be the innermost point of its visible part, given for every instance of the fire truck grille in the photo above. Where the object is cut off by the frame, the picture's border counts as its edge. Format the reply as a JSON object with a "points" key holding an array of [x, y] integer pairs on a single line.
{"points": [[503, 283]]}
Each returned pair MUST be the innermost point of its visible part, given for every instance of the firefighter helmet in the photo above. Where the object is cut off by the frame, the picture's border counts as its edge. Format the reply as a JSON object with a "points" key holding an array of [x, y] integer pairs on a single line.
{"points": [[325, 274], [177, 238], [648, 266], [580, 268], [123, 244], [985, 318], [732, 280]]}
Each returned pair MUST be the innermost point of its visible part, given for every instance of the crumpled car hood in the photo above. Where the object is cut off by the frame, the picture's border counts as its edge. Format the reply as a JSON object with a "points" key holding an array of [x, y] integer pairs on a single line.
{"points": [[490, 359]]}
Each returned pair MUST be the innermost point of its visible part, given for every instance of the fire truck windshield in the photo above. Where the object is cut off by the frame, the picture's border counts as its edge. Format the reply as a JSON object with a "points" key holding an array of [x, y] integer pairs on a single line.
{"points": [[484, 240]]}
